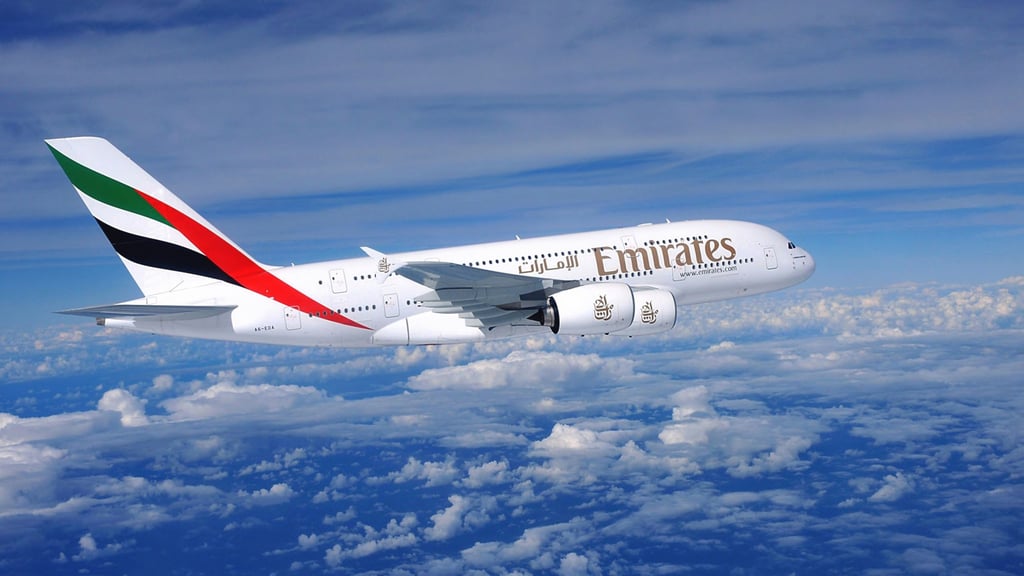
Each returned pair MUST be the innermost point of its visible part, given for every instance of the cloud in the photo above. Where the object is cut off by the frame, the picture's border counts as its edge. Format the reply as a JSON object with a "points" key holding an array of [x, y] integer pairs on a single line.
{"points": [[488, 473], [162, 382], [227, 398], [132, 409], [276, 494], [89, 549], [396, 534], [308, 541], [896, 486], [27, 475], [771, 445], [465, 513], [435, 473], [566, 439], [692, 432], [448, 521], [524, 369]]}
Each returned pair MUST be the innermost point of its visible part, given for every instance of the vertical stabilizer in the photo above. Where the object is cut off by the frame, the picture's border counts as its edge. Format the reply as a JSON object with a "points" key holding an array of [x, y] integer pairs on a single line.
{"points": [[165, 245]]}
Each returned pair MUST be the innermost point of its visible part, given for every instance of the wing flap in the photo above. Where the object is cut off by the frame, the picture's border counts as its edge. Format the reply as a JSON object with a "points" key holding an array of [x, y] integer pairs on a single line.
{"points": [[483, 298]]}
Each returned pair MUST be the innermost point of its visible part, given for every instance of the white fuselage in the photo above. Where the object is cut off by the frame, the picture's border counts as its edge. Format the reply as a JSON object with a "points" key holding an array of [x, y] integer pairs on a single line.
{"points": [[697, 261]]}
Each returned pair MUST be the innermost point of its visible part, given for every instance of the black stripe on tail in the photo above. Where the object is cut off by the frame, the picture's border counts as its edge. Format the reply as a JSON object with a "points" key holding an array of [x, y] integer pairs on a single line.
{"points": [[164, 255]]}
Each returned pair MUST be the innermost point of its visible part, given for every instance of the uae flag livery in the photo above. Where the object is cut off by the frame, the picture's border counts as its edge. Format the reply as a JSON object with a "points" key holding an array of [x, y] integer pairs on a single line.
{"points": [[164, 243]]}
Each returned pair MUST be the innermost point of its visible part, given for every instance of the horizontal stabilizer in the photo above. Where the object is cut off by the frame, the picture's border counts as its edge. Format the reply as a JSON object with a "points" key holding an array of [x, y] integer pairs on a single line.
{"points": [[149, 311]]}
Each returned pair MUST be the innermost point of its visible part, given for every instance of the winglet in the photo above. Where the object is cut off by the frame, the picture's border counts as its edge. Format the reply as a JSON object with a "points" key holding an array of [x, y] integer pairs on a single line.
{"points": [[373, 253], [385, 265]]}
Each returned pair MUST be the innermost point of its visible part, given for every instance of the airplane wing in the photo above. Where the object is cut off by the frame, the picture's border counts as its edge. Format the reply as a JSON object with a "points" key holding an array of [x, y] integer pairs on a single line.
{"points": [[149, 311], [484, 298]]}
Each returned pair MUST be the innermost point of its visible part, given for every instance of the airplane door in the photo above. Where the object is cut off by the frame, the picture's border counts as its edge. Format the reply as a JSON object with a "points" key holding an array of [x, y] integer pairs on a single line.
{"points": [[338, 284], [629, 242], [770, 260], [390, 305], [292, 318]]}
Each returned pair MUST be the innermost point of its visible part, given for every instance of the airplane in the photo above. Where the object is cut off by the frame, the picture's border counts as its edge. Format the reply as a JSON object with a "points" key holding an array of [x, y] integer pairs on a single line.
{"points": [[197, 283]]}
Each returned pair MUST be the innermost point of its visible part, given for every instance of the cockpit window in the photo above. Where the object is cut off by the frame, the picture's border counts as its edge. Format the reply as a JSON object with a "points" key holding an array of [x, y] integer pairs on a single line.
{"points": [[792, 245]]}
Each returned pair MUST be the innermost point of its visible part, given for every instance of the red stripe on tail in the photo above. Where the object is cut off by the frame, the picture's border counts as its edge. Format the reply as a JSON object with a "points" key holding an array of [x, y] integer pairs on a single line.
{"points": [[237, 265]]}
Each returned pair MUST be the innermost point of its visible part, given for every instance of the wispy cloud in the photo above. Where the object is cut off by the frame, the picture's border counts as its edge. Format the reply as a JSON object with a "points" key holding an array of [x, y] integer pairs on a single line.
{"points": [[361, 118]]}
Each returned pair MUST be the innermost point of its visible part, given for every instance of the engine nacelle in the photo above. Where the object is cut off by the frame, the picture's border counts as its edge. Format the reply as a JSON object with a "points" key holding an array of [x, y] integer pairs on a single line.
{"points": [[591, 309], [654, 310]]}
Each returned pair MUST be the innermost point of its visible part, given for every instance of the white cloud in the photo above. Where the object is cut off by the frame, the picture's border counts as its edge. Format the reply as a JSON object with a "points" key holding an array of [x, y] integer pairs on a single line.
{"points": [[90, 550], [277, 494], [448, 521], [573, 564], [771, 444], [785, 454], [525, 369], [896, 486], [162, 383], [226, 398], [565, 438], [280, 462], [464, 513], [340, 517], [693, 432], [488, 473], [397, 534], [132, 409], [435, 473], [534, 545], [690, 401], [307, 541]]}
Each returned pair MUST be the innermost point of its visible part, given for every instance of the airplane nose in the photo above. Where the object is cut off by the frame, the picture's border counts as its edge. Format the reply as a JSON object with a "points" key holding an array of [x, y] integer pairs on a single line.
{"points": [[805, 263]]}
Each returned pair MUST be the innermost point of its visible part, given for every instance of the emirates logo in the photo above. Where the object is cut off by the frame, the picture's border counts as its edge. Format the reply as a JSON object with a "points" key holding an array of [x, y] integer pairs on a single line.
{"points": [[648, 314], [602, 309]]}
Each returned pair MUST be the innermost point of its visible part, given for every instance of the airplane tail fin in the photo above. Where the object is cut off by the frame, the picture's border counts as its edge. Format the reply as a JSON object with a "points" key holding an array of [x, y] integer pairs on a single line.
{"points": [[165, 245]]}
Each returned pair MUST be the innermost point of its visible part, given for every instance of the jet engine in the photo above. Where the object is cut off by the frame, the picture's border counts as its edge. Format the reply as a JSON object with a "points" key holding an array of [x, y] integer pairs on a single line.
{"points": [[590, 309], [654, 310], [609, 308]]}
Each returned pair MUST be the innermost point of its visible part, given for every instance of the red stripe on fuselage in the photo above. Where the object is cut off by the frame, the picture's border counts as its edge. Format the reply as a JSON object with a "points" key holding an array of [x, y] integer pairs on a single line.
{"points": [[240, 267]]}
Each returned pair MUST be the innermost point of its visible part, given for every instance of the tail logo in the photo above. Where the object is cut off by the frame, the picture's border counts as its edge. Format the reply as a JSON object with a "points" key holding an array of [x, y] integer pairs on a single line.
{"points": [[213, 256]]}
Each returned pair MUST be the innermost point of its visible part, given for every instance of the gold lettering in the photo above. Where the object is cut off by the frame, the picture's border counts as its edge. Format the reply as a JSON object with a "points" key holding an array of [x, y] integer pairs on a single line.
{"points": [[731, 252], [710, 247], [600, 258], [696, 250], [683, 258], [654, 257], [665, 255], [634, 257]]}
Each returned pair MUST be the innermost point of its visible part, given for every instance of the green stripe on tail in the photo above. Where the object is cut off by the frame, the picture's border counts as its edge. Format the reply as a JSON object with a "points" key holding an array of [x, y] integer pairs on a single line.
{"points": [[105, 189]]}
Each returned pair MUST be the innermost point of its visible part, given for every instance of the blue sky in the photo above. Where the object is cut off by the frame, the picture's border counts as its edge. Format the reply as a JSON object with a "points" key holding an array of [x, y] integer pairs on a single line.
{"points": [[866, 421], [884, 138]]}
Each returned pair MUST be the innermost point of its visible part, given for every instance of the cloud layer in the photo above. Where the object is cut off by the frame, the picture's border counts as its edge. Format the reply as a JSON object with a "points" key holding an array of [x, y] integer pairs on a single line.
{"points": [[856, 422]]}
